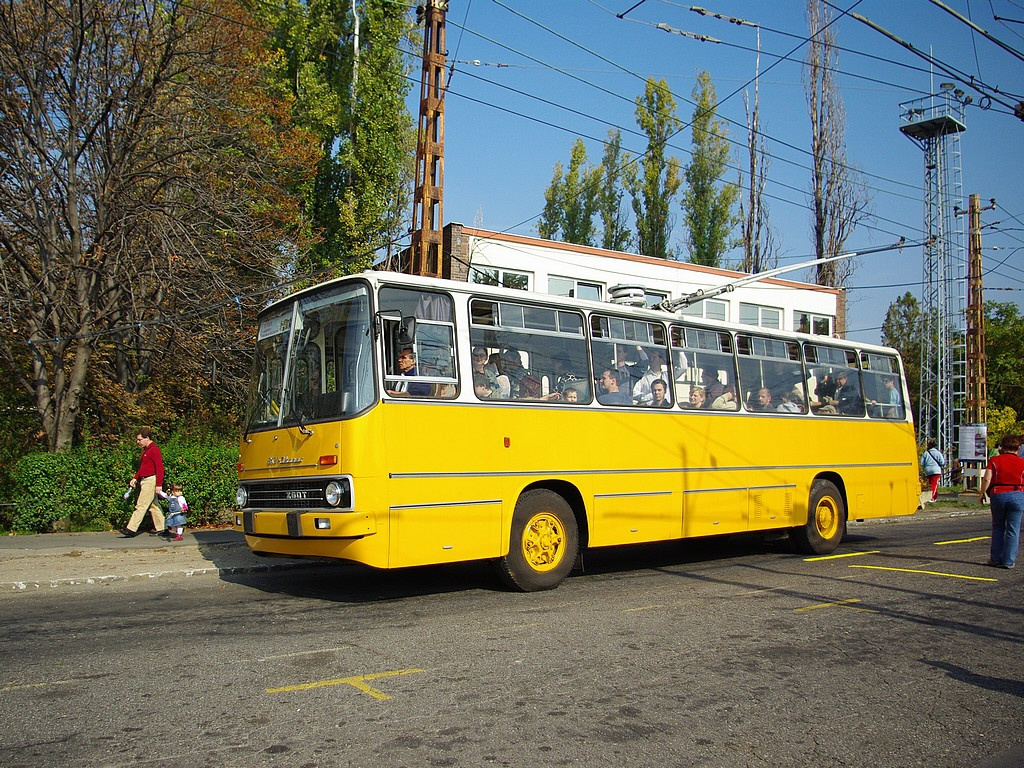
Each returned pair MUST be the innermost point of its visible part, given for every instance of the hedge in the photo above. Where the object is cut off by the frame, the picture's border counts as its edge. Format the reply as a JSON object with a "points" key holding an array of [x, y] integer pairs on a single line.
{"points": [[82, 490]]}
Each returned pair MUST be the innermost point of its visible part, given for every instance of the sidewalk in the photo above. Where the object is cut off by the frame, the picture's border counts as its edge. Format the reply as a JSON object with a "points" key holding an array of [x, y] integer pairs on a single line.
{"points": [[42, 561]]}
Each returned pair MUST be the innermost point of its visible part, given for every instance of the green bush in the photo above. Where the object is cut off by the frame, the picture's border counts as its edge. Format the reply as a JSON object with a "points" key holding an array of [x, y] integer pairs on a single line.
{"points": [[82, 490]]}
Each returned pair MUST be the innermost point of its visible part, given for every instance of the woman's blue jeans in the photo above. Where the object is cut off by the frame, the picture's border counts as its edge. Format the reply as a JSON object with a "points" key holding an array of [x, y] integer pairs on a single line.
{"points": [[1007, 509]]}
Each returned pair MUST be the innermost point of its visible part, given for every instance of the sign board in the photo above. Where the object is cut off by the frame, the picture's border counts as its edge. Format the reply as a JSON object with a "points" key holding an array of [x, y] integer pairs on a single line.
{"points": [[974, 442]]}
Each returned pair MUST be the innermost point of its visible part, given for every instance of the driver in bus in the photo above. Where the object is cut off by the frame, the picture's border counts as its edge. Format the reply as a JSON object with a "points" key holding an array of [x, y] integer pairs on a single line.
{"points": [[407, 367]]}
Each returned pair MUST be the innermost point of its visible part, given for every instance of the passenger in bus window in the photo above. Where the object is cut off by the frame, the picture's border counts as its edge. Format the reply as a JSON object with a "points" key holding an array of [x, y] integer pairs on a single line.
{"points": [[484, 376], [762, 401], [698, 398], [407, 367], [713, 388], [789, 403], [655, 370], [570, 395], [612, 395], [848, 399], [725, 402], [825, 391], [659, 390], [891, 409]]}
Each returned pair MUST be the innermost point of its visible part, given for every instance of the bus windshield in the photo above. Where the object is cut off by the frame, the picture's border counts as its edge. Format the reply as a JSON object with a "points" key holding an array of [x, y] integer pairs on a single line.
{"points": [[314, 360]]}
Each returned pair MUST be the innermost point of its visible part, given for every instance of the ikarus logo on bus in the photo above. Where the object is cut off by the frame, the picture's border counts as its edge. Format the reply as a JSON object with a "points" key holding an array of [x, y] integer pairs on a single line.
{"points": [[283, 460]]}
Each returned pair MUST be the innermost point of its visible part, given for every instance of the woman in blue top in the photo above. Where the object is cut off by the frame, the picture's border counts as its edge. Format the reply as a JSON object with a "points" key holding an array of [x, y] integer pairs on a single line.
{"points": [[932, 462]]}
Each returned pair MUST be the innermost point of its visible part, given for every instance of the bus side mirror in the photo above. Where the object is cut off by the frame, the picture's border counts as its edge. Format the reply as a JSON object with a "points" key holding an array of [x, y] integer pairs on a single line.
{"points": [[406, 333]]}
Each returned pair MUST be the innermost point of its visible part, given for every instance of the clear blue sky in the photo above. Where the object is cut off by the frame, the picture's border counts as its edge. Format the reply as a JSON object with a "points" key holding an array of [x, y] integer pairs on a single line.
{"points": [[552, 70]]}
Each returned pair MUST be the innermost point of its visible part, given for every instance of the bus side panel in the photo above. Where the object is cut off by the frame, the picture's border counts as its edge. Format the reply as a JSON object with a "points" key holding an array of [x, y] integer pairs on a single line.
{"points": [[443, 503]]}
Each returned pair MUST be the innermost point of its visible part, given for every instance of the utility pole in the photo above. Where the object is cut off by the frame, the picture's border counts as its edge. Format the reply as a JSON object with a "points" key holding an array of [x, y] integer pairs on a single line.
{"points": [[976, 406], [428, 195]]}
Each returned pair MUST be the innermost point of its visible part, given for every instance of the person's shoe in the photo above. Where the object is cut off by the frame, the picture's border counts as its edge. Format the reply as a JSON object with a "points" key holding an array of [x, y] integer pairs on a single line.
{"points": [[165, 534], [155, 532], [992, 563], [1007, 567], [178, 537], [128, 533]]}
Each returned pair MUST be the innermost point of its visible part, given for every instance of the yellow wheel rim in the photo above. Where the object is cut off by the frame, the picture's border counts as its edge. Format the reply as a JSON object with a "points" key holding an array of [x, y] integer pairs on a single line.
{"points": [[826, 517], [543, 542]]}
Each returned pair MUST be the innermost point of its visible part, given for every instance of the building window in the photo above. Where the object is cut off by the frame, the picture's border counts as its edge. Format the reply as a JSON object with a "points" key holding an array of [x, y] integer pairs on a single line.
{"points": [[654, 298], [506, 278], [575, 289], [808, 322], [765, 317], [709, 309]]}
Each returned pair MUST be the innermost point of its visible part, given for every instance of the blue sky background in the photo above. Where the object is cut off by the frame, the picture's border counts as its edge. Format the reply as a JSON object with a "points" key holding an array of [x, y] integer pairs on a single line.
{"points": [[552, 70]]}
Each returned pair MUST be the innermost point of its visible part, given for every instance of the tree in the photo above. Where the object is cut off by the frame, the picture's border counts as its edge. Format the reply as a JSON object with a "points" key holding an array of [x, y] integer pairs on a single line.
{"points": [[343, 65], [759, 251], [617, 170], [657, 181], [571, 200], [901, 330], [1004, 350], [707, 207], [838, 198], [144, 178]]}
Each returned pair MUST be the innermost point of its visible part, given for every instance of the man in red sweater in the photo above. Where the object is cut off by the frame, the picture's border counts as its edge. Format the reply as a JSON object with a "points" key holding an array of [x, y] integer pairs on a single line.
{"points": [[149, 477]]}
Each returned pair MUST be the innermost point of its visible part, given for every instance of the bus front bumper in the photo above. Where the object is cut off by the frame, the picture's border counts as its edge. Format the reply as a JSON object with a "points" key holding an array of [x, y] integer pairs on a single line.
{"points": [[316, 524]]}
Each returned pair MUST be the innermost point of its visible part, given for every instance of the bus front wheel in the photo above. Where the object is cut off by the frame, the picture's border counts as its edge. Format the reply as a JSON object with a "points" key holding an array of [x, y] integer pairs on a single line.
{"points": [[826, 520], [543, 545]]}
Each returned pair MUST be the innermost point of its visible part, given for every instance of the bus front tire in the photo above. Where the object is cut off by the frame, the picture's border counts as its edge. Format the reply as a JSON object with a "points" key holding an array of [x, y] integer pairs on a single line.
{"points": [[826, 520], [543, 545]]}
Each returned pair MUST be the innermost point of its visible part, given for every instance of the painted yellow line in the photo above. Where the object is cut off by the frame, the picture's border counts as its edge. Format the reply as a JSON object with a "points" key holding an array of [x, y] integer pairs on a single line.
{"points": [[358, 682], [928, 573], [836, 557], [962, 541], [837, 604]]}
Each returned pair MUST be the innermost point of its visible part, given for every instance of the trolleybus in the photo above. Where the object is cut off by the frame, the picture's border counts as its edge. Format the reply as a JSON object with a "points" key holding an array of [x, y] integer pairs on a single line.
{"points": [[400, 421]]}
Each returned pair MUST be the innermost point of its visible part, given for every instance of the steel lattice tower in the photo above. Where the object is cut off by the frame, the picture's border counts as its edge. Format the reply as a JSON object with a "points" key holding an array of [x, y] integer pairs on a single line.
{"points": [[935, 123]]}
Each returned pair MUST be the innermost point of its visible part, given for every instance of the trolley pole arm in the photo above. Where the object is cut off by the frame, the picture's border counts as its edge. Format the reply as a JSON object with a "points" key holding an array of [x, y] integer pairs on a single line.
{"points": [[700, 295]]}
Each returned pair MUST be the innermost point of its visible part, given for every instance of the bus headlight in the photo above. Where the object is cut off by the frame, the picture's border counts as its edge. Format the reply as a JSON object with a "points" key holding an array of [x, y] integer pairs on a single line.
{"points": [[241, 496], [337, 493]]}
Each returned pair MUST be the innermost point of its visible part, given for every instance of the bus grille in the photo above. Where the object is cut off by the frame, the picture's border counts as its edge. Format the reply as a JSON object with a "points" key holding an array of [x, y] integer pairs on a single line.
{"points": [[287, 494]]}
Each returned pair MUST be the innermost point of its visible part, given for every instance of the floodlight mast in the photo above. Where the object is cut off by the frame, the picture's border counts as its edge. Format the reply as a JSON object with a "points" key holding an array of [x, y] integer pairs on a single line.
{"points": [[699, 295]]}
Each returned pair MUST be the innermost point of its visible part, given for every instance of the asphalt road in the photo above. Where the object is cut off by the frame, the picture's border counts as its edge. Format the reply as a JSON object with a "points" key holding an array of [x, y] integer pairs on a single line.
{"points": [[904, 652]]}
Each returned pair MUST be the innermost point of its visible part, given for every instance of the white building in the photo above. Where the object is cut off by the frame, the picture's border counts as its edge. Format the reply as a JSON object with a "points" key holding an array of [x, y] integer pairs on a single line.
{"points": [[565, 269]]}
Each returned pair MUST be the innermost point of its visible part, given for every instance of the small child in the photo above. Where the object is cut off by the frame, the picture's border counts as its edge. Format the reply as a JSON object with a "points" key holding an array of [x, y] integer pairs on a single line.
{"points": [[176, 509]]}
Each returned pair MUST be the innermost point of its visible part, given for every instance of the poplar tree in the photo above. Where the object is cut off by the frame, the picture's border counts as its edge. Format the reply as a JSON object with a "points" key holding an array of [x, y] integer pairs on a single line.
{"points": [[617, 169], [350, 90], [571, 200], [708, 204], [657, 180], [838, 198]]}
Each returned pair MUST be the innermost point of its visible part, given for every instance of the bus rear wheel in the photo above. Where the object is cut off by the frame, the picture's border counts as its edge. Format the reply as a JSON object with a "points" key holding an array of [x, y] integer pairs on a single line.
{"points": [[826, 520], [543, 545]]}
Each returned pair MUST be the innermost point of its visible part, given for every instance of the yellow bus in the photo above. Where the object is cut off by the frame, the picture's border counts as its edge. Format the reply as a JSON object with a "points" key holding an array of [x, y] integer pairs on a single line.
{"points": [[399, 421]]}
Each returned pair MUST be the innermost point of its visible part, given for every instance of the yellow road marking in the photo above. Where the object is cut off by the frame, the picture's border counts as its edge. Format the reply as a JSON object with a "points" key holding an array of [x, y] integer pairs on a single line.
{"points": [[963, 541], [837, 604], [928, 573], [358, 682], [644, 608], [836, 557]]}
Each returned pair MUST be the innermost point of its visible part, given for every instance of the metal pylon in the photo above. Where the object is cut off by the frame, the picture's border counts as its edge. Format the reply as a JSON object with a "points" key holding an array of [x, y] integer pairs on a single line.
{"points": [[935, 123]]}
